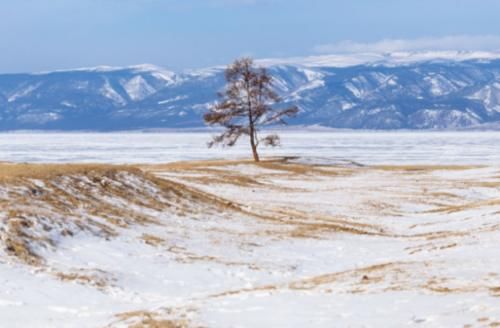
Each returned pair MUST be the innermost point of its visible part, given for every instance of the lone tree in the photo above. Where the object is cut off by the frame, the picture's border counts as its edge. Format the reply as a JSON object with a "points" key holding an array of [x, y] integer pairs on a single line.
{"points": [[246, 104]]}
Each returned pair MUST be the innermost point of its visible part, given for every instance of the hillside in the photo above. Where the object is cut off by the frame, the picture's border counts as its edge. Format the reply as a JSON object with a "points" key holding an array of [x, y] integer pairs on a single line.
{"points": [[394, 91], [232, 243]]}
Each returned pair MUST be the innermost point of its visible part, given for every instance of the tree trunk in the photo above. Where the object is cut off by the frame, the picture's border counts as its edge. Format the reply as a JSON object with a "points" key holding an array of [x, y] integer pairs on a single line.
{"points": [[253, 140], [254, 148]]}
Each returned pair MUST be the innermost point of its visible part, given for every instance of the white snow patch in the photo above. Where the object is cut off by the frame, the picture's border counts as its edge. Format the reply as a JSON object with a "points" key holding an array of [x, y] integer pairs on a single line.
{"points": [[23, 92], [489, 96], [110, 93], [137, 88], [171, 100], [381, 59]]}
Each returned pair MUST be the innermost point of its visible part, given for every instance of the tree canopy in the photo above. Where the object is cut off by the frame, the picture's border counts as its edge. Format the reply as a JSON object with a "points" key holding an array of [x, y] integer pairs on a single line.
{"points": [[247, 103]]}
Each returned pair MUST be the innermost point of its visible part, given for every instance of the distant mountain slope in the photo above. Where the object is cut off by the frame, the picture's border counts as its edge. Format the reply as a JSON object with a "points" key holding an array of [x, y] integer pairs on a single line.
{"points": [[413, 91]]}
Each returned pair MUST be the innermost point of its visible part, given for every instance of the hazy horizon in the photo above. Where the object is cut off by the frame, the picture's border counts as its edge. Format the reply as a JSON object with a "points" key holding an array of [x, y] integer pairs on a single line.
{"points": [[51, 35]]}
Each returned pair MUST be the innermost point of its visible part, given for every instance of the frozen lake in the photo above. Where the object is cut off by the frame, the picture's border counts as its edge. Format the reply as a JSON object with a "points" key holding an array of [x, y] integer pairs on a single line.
{"points": [[363, 147]]}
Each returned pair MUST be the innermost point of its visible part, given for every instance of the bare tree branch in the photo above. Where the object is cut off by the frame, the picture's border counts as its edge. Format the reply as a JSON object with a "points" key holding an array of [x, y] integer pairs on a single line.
{"points": [[245, 105]]}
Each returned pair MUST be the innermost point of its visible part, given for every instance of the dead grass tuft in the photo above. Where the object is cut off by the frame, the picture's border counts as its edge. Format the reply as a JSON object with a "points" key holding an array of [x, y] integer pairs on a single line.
{"points": [[495, 291], [96, 279], [146, 319], [464, 207], [152, 240]]}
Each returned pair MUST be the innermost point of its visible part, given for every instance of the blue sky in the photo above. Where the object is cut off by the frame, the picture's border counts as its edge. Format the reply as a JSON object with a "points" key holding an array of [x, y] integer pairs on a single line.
{"points": [[40, 35]]}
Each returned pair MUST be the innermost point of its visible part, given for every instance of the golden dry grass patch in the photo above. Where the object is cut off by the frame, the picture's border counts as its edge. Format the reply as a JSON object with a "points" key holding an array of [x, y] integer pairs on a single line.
{"points": [[11, 171], [370, 274], [468, 206], [495, 291], [75, 196], [190, 165], [231, 179], [278, 164], [148, 319], [94, 278], [152, 240]]}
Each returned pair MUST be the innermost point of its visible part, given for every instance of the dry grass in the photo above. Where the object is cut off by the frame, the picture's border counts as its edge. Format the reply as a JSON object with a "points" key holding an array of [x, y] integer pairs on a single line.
{"points": [[280, 164], [95, 198], [153, 240], [382, 277], [357, 280], [464, 207], [71, 188], [191, 165], [158, 323], [315, 225], [495, 291], [83, 189], [9, 172], [231, 179], [371, 274], [18, 241], [146, 319], [96, 279]]}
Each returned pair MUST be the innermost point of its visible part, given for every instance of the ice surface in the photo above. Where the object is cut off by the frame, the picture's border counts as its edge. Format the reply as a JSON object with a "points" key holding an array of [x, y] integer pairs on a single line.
{"points": [[363, 147]]}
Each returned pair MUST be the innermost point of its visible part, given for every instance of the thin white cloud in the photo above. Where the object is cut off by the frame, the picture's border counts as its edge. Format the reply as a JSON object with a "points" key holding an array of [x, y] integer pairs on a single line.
{"points": [[454, 42]]}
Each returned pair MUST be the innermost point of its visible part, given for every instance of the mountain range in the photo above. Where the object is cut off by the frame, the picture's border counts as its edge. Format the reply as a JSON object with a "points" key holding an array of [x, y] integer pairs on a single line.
{"points": [[425, 90]]}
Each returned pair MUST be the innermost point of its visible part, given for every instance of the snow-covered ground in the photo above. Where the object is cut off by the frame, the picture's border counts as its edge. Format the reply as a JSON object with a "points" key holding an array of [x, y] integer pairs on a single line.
{"points": [[306, 242], [364, 229], [365, 147]]}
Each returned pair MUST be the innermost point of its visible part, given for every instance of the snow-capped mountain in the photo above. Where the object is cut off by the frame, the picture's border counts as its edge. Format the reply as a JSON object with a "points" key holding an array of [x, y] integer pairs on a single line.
{"points": [[377, 91]]}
